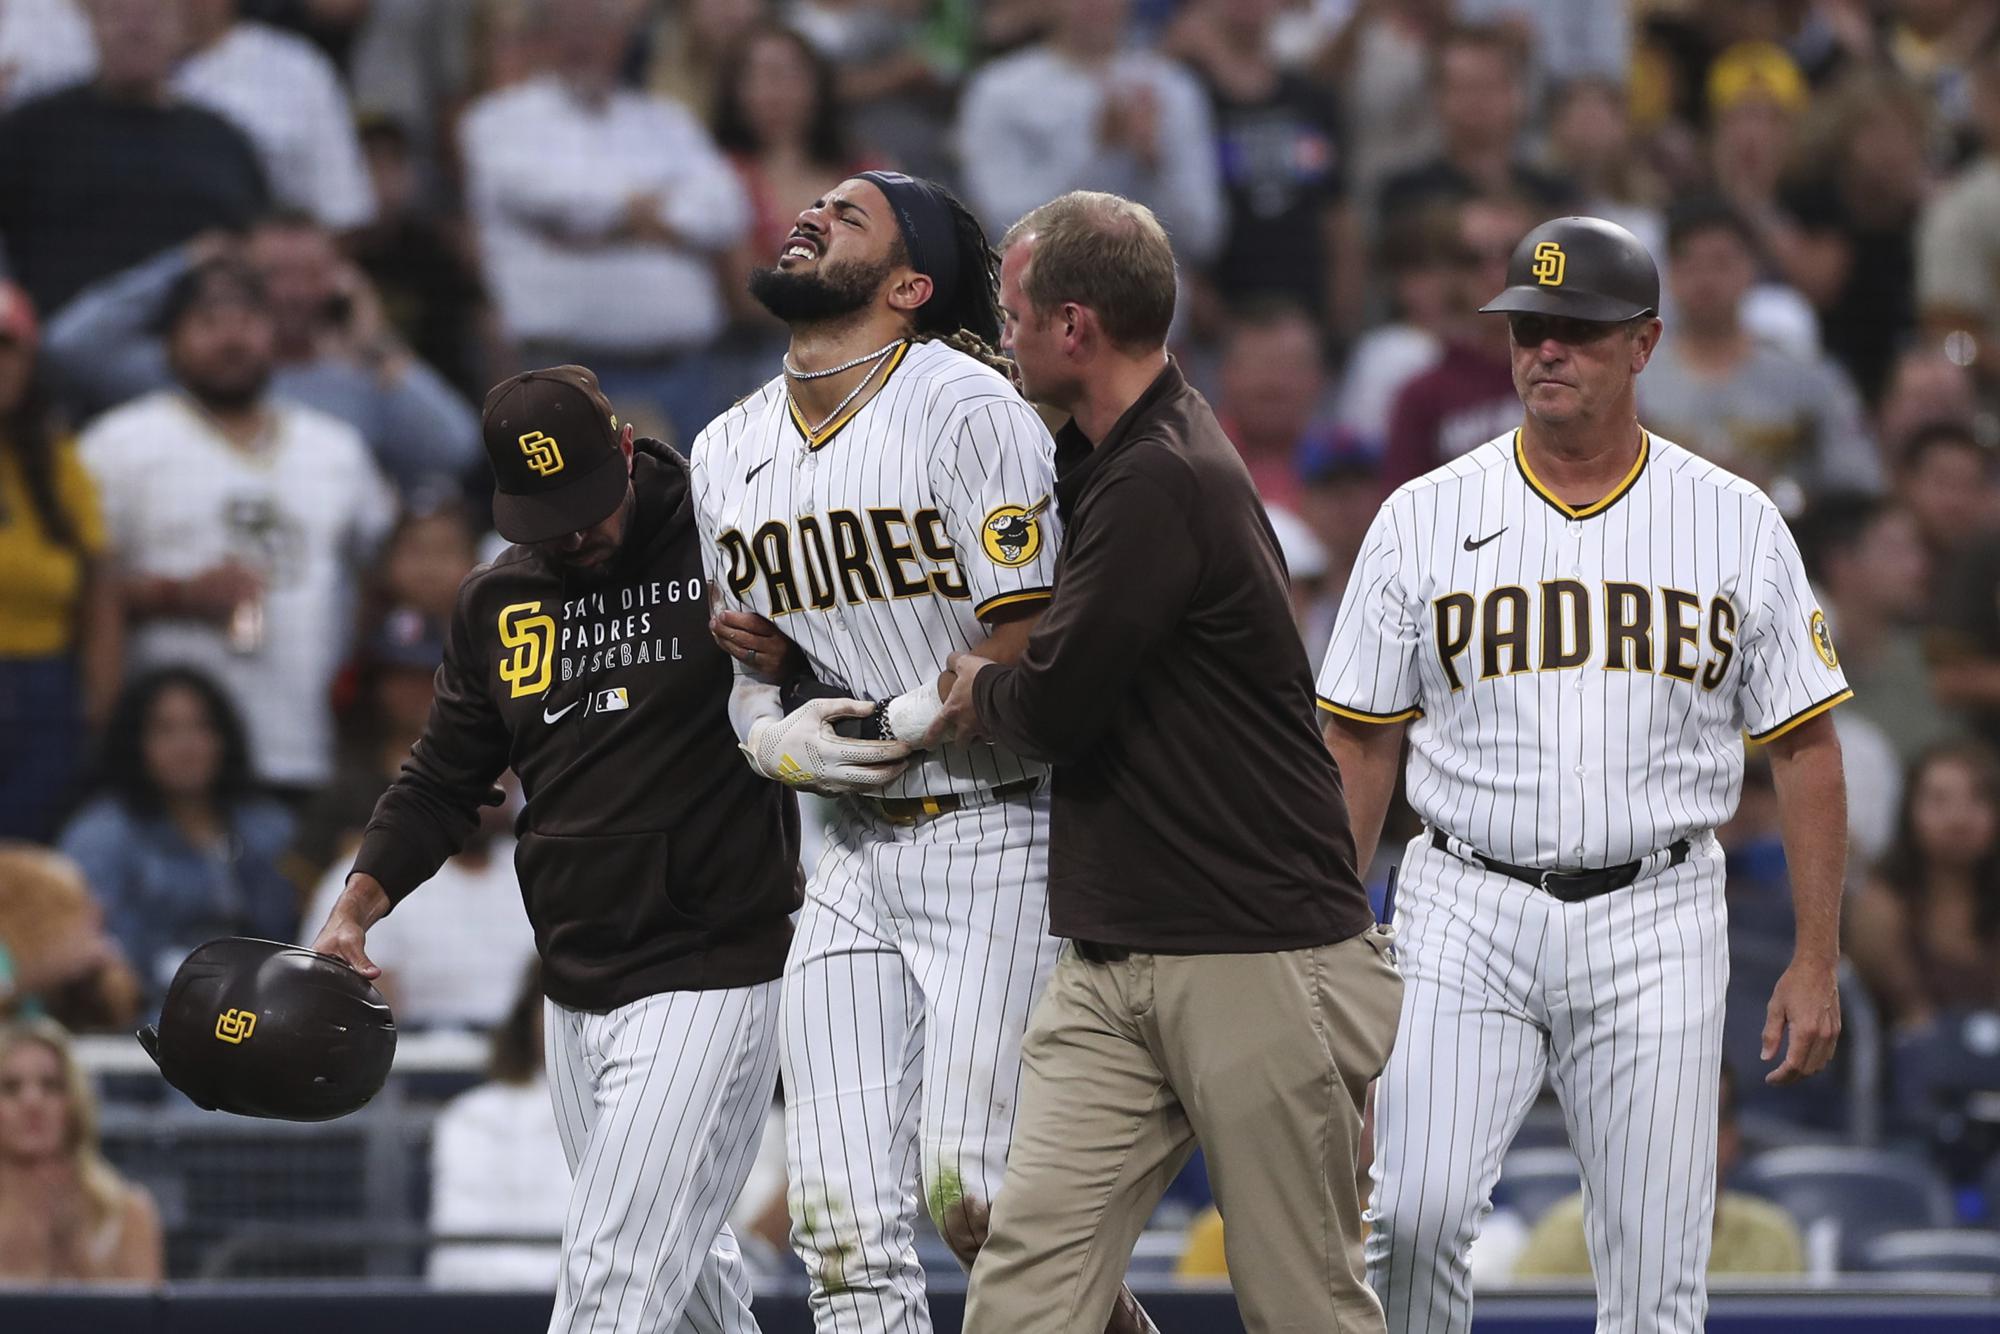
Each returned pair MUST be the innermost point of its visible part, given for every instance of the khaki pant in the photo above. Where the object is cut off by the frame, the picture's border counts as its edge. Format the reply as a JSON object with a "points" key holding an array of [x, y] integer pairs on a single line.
{"points": [[1264, 1059]]}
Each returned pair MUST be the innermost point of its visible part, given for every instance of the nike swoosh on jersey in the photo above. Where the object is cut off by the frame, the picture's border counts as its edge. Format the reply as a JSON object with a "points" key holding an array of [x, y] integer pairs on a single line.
{"points": [[556, 717], [1471, 545], [754, 471]]}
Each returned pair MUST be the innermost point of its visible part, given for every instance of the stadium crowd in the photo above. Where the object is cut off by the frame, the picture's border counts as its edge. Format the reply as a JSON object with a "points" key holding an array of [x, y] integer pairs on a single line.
{"points": [[262, 258]]}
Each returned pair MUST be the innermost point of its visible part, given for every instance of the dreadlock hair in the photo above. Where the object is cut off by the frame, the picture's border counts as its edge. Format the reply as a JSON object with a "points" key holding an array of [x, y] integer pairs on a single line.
{"points": [[971, 323], [29, 434]]}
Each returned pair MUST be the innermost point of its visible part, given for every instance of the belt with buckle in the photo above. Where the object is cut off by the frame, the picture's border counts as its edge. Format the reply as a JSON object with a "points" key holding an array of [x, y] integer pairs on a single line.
{"points": [[1568, 886], [909, 810]]}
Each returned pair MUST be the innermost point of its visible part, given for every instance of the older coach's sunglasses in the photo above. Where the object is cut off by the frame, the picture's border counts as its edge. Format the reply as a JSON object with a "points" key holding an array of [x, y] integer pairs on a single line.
{"points": [[1534, 330]]}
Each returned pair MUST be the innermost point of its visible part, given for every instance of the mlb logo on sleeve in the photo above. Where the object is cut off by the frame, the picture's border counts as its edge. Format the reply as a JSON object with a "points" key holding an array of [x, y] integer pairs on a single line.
{"points": [[612, 701]]}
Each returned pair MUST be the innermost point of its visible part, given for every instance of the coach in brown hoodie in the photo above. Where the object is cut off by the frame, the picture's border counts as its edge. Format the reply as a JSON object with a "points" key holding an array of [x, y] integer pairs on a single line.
{"points": [[1225, 982]]}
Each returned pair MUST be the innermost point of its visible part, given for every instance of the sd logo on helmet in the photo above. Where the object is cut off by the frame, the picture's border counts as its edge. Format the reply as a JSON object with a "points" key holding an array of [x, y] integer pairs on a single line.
{"points": [[263, 1029]]}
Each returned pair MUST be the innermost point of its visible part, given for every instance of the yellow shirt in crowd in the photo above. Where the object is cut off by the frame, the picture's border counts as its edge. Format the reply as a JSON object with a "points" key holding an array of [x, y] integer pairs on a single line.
{"points": [[1752, 1236], [38, 596]]}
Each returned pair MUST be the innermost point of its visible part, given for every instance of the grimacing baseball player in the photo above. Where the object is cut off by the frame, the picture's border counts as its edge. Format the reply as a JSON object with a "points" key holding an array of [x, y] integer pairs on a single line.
{"points": [[1576, 623], [885, 502], [659, 874]]}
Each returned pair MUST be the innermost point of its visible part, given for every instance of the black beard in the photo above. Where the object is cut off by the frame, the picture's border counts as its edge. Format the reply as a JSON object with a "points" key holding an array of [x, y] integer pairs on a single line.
{"points": [[834, 293], [232, 393]]}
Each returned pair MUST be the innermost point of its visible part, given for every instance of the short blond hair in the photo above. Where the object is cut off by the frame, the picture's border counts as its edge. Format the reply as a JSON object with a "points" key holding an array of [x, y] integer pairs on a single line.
{"points": [[1104, 252]]}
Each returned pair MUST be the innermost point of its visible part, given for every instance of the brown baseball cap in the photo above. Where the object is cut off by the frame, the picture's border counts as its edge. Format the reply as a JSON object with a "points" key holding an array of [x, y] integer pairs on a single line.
{"points": [[552, 439]]}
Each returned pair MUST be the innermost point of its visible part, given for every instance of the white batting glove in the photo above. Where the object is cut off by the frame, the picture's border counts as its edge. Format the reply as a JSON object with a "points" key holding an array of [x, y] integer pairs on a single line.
{"points": [[802, 749]]}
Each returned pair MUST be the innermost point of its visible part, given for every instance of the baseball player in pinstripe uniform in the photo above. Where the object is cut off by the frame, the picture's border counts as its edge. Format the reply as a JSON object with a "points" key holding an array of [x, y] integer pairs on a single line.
{"points": [[1576, 623], [886, 502]]}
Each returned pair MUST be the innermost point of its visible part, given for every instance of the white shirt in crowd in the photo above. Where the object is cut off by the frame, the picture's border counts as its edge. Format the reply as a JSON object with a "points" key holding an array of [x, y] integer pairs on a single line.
{"points": [[44, 45], [286, 96], [1028, 131], [456, 949], [497, 1167], [550, 176], [305, 507]]}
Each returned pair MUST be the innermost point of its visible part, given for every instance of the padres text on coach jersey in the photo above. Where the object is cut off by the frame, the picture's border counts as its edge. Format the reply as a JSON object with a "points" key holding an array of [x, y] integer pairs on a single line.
{"points": [[954, 473], [1579, 679]]}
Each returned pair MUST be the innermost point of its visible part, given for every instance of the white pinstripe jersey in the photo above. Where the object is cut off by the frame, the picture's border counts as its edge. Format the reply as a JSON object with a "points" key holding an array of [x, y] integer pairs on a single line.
{"points": [[1579, 680], [878, 542]]}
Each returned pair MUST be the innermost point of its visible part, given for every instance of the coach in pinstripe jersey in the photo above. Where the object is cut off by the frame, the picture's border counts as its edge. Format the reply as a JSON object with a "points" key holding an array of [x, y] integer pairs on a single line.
{"points": [[1576, 623]]}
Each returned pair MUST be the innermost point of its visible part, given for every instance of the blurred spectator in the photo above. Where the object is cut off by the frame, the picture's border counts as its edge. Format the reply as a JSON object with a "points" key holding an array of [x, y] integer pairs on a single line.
{"points": [[1571, 39], [889, 83], [333, 348], [1080, 111], [1272, 380], [1290, 231], [60, 647], [392, 699], [1789, 424], [779, 119], [1479, 78], [239, 523], [286, 95], [1947, 482], [1340, 488], [1935, 45], [412, 63], [97, 177], [1857, 218], [56, 958], [1751, 1236], [176, 843], [426, 557], [1756, 882], [1756, 94], [438, 951], [1381, 64], [1421, 260], [420, 267], [331, 25], [1867, 560], [497, 1161], [1468, 397], [1958, 243], [1945, 479], [65, 1215], [1305, 576], [690, 44], [44, 45], [1592, 146], [600, 212], [1924, 386], [1924, 933]]}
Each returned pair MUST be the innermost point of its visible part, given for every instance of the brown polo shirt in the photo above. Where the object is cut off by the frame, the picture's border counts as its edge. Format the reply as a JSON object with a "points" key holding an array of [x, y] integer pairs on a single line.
{"points": [[1195, 808]]}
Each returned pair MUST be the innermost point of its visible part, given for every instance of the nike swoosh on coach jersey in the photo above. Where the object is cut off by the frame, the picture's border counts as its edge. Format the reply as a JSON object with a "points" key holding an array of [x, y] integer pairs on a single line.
{"points": [[754, 471], [556, 717], [1471, 545]]}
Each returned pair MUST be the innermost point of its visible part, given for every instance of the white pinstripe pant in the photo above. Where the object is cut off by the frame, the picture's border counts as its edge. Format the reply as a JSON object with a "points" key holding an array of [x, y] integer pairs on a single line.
{"points": [[1618, 1000], [660, 1104], [918, 956]]}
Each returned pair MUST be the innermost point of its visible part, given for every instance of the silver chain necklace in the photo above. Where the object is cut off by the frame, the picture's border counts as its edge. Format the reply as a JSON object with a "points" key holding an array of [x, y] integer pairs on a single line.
{"points": [[854, 393], [798, 374]]}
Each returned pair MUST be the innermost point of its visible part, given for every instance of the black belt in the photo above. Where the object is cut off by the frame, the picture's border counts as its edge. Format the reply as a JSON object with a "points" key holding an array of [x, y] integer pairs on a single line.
{"points": [[909, 810], [1568, 886], [1094, 951]]}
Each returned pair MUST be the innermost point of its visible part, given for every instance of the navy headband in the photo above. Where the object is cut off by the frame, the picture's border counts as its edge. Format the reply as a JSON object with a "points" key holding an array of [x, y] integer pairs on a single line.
{"points": [[929, 232]]}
